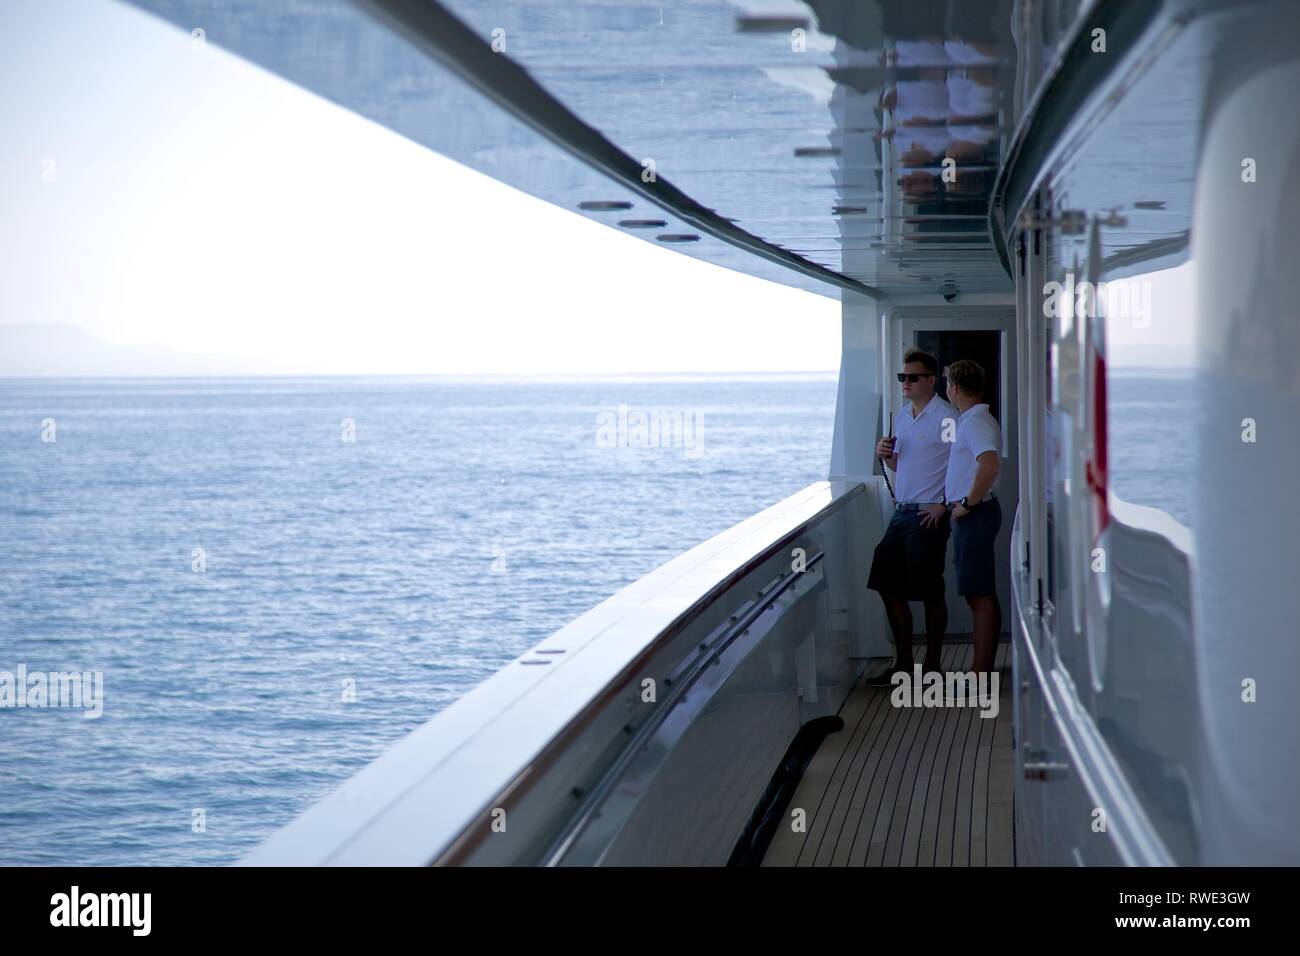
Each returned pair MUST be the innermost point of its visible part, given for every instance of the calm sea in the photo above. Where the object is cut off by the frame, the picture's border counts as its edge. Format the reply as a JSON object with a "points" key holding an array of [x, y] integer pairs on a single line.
{"points": [[238, 556], [1154, 425], [236, 566]]}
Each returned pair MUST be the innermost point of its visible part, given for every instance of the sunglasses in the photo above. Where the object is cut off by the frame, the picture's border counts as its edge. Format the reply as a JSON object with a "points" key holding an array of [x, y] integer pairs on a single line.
{"points": [[914, 376]]}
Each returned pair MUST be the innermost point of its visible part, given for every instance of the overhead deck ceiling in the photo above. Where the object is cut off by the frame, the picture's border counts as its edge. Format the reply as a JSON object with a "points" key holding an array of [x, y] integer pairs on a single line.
{"points": [[803, 142], [831, 147]]}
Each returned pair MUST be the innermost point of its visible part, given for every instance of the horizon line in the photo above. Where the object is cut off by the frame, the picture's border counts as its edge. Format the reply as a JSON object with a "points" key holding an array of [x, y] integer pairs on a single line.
{"points": [[416, 375]]}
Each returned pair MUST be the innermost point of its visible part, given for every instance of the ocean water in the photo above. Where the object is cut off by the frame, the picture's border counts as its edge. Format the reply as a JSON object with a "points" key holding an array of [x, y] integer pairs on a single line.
{"points": [[1154, 426], [235, 567]]}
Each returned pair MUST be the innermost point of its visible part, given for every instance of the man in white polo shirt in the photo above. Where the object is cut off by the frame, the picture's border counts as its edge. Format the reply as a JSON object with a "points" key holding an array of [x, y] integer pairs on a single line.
{"points": [[976, 515], [908, 563]]}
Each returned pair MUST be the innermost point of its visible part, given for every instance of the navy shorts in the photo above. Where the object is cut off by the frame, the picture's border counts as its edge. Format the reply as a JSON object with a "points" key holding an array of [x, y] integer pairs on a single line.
{"points": [[908, 563], [973, 538]]}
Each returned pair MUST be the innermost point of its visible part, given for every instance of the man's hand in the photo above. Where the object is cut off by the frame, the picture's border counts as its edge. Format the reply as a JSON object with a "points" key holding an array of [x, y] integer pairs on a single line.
{"points": [[931, 515], [959, 512], [885, 448]]}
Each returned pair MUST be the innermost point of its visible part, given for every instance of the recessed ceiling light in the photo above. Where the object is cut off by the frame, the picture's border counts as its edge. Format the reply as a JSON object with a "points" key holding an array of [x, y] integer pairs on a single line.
{"points": [[1150, 204], [678, 237], [603, 205], [817, 151], [642, 223]]}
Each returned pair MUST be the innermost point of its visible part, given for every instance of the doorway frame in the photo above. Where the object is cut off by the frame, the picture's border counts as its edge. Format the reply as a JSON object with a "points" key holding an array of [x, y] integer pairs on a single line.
{"points": [[899, 326]]}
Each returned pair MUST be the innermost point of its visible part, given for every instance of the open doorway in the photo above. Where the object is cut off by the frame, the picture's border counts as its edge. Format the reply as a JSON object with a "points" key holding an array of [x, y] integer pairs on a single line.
{"points": [[980, 345]]}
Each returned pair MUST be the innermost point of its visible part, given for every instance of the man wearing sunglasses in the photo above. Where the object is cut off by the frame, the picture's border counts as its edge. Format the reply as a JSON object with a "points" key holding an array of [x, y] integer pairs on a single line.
{"points": [[908, 563]]}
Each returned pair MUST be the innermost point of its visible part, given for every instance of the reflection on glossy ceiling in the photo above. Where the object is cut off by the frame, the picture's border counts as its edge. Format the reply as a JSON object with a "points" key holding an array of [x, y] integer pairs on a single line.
{"points": [[857, 140]]}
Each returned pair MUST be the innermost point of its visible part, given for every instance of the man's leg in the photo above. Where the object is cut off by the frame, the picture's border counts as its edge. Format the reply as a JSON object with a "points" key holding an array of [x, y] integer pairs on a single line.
{"points": [[936, 625], [900, 622], [983, 583], [899, 574], [988, 625]]}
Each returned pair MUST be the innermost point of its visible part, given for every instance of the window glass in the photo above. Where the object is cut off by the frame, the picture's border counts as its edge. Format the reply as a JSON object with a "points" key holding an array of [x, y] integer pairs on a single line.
{"points": [[1150, 390]]}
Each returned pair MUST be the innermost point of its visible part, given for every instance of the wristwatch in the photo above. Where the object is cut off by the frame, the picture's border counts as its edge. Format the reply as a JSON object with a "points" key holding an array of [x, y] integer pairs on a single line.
{"points": [[966, 504]]}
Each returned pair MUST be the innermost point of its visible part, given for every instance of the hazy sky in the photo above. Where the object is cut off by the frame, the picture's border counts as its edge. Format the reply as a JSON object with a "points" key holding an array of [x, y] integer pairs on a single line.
{"points": [[203, 204], [1150, 318]]}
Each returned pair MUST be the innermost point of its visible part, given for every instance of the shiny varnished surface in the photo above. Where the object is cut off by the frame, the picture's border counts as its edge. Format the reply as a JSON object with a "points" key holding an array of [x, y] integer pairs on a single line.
{"points": [[1138, 677], [829, 143], [907, 786]]}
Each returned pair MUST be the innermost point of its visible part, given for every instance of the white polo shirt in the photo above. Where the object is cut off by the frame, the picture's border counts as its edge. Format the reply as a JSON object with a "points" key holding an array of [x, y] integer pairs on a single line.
{"points": [[922, 452], [977, 432]]}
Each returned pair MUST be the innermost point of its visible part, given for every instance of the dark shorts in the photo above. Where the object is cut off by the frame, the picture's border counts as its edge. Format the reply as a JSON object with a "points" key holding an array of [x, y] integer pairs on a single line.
{"points": [[973, 538], [909, 559]]}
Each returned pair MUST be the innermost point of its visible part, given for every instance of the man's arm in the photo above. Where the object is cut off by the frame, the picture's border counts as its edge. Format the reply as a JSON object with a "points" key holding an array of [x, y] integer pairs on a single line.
{"points": [[986, 472], [985, 443], [988, 465]]}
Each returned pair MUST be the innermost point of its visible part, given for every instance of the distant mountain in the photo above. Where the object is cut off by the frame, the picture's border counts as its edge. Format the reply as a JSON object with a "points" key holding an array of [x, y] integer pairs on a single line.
{"points": [[51, 349]]}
